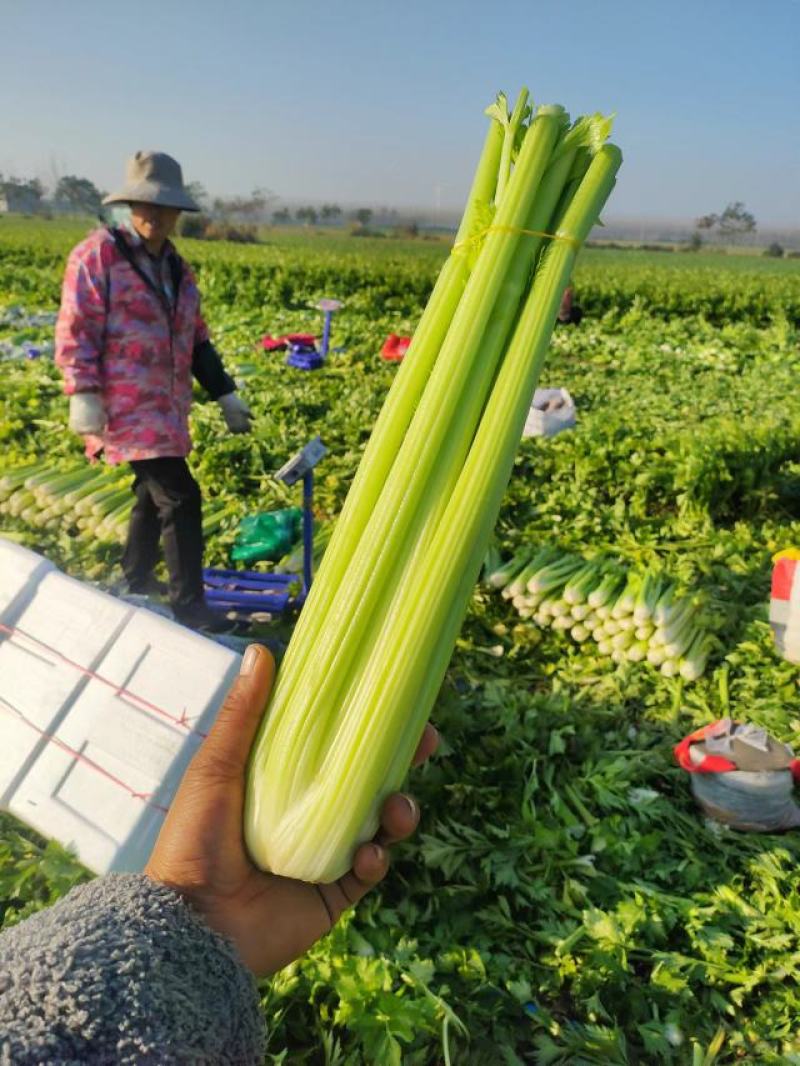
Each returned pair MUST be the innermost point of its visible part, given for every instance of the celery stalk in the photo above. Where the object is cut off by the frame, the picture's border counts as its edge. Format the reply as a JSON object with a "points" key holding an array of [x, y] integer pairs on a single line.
{"points": [[359, 740]]}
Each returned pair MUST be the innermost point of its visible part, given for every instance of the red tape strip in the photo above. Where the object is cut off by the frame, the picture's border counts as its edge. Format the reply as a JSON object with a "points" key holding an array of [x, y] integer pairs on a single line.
{"points": [[118, 690], [51, 738], [183, 720]]}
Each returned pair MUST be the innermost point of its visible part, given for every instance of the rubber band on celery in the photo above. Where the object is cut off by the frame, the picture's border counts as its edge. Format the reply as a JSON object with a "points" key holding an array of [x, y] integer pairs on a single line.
{"points": [[521, 232]]}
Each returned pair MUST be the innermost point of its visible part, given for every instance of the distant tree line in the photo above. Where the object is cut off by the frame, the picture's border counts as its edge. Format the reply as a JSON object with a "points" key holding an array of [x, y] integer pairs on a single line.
{"points": [[71, 194], [232, 218]]}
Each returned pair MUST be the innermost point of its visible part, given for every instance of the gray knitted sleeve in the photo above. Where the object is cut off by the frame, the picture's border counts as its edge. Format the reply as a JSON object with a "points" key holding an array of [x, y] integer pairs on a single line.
{"points": [[123, 971]]}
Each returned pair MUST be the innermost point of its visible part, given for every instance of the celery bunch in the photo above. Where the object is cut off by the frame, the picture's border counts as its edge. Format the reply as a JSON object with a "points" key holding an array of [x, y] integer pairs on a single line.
{"points": [[631, 618], [370, 649]]}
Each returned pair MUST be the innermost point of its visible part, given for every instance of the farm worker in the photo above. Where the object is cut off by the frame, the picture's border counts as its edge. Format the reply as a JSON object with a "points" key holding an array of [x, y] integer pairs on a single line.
{"points": [[129, 338], [569, 311], [159, 966]]}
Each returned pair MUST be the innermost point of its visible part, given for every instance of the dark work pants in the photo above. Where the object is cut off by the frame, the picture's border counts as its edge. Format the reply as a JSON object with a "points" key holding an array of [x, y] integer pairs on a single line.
{"points": [[167, 508]]}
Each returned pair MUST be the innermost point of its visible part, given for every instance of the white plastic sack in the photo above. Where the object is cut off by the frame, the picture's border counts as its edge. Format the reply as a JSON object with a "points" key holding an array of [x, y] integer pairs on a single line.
{"points": [[552, 411]]}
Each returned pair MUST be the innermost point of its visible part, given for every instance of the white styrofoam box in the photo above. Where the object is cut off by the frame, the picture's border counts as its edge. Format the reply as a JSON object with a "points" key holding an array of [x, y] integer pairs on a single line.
{"points": [[102, 705], [20, 572], [62, 619], [544, 423]]}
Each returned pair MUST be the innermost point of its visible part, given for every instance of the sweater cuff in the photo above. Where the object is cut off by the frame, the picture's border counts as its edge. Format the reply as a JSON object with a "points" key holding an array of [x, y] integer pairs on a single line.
{"points": [[122, 969]]}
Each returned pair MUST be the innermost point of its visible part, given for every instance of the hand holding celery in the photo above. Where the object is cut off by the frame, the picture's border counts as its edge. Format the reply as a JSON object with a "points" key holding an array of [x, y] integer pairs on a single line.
{"points": [[371, 647], [200, 852]]}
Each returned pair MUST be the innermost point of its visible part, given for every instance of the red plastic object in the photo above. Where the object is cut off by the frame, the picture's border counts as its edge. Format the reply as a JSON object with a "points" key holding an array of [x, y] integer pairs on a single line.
{"points": [[711, 764], [307, 339], [280, 344], [783, 576], [394, 348]]}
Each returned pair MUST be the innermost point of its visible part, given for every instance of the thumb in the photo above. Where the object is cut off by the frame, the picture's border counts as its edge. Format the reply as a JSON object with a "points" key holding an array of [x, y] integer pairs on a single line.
{"points": [[224, 753]]}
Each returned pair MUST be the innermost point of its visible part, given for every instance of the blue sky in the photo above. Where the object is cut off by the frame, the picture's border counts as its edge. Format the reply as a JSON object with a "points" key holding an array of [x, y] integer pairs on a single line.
{"points": [[381, 102]]}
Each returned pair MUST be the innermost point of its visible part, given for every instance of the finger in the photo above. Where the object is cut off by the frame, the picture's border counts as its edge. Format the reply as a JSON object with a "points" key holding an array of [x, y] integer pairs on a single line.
{"points": [[370, 864], [225, 750], [399, 818], [427, 745]]}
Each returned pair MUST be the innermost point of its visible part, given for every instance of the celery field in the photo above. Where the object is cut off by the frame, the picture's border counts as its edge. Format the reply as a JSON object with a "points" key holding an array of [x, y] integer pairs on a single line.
{"points": [[563, 902]]}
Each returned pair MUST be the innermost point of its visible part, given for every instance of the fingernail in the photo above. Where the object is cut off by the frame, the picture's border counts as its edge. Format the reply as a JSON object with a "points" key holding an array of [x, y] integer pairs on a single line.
{"points": [[412, 806], [378, 852], [249, 661]]}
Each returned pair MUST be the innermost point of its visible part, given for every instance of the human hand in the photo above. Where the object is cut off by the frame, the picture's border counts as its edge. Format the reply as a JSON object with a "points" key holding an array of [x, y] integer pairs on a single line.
{"points": [[86, 413], [201, 853], [236, 413]]}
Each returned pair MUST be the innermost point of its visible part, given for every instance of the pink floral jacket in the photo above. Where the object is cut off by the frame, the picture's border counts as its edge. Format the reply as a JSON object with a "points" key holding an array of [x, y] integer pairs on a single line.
{"points": [[119, 335]]}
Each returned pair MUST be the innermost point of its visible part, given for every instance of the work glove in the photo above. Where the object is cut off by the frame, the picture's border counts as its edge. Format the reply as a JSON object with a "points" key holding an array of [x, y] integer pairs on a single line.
{"points": [[236, 413], [86, 413]]}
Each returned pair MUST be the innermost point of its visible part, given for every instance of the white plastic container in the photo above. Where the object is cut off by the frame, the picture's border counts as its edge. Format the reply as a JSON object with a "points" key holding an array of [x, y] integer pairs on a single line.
{"points": [[102, 705]]}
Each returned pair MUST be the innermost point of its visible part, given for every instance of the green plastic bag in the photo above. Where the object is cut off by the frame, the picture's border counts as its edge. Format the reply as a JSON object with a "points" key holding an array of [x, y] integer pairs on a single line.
{"points": [[267, 536]]}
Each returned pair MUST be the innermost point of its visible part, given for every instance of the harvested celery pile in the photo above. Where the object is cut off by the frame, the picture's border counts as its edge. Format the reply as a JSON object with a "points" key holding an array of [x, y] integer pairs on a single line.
{"points": [[630, 617]]}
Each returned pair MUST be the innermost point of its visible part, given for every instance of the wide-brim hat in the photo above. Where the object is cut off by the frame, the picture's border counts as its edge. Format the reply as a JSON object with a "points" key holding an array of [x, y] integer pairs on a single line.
{"points": [[154, 178]]}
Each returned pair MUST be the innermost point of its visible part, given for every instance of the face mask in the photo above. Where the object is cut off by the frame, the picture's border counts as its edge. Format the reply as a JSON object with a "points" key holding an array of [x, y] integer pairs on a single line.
{"points": [[119, 214]]}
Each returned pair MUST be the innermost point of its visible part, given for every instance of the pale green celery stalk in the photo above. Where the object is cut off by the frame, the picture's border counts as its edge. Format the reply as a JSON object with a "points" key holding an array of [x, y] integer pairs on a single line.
{"points": [[563, 621], [623, 639], [20, 501], [607, 592], [384, 713], [684, 615], [116, 518], [656, 654], [605, 647], [419, 484], [647, 599], [53, 487], [680, 644], [94, 502], [512, 125], [109, 502], [32, 516], [556, 574], [95, 479], [395, 415], [579, 633], [694, 662], [214, 521], [578, 587], [507, 571], [13, 479], [665, 605], [627, 598], [38, 476], [522, 582]]}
